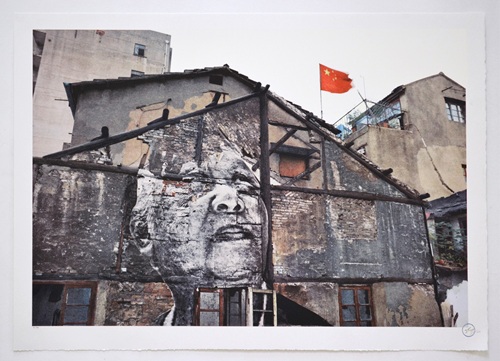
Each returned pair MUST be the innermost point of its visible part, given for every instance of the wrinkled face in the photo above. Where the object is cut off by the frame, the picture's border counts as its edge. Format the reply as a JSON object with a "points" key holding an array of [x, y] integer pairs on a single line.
{"points": [[208, 229]]}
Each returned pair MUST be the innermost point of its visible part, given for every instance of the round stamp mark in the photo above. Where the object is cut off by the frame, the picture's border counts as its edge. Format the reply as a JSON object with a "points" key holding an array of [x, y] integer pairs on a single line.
{"points": [[468, 330]]}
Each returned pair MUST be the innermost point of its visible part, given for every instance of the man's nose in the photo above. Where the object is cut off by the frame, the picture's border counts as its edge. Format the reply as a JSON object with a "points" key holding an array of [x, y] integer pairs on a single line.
{"points": [[226, 200]]}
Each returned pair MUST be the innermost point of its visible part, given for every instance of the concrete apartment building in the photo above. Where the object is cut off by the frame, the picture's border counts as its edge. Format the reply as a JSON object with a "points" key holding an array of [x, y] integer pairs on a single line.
{"points": [[67, 56], [214, 201], [418, 132]]}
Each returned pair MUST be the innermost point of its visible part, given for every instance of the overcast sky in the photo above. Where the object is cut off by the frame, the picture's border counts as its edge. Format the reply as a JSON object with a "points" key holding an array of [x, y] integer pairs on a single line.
{"points": [[380, 52]]}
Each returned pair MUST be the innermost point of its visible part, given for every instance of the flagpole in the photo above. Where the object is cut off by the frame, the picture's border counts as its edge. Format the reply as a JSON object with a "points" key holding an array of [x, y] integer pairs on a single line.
{"points": [[321, 102], [320, 93]]}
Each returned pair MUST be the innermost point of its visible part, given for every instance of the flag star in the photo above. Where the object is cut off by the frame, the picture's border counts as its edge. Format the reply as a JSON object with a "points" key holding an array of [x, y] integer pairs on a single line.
{"points": [[327, 72]]}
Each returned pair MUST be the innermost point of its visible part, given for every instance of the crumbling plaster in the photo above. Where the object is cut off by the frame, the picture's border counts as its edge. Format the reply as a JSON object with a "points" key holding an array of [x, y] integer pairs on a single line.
{"points": [[405, 304]]}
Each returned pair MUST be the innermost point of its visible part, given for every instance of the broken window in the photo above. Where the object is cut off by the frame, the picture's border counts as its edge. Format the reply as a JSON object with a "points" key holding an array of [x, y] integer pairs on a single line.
{"points": [[455, 109], [63, 303], [139, 50], [235, 307], [262, 308], [356, 306]]}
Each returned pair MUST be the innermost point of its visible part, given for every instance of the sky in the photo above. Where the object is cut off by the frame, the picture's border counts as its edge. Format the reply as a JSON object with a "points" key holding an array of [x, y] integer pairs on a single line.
{"points": [[379, 52]]}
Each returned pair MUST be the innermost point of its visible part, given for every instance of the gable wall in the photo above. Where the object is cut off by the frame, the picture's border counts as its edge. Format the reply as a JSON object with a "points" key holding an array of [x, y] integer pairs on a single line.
{"points": [[117, 108]]}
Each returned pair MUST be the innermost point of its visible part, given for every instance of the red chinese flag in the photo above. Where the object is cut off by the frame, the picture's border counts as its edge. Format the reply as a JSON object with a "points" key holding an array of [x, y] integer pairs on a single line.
{"points": [[334, 81]]}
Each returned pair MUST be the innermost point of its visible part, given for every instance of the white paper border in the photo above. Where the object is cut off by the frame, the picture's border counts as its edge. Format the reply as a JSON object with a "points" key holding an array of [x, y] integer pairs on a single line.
{"points": [[27, 337]]}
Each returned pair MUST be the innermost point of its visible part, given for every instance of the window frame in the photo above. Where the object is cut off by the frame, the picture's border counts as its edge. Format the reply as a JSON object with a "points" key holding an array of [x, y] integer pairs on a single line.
{"points": [[245, 304], [357, 305], [64, 300], [136, 73], [138, 48], [459, 107]]}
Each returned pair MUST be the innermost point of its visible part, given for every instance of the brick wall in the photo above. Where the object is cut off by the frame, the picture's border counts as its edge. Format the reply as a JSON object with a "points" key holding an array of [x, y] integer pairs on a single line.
{"points": [[136, 303]]}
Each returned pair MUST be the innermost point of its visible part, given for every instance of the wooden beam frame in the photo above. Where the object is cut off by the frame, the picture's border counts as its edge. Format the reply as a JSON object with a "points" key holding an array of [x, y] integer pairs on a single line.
{"points": [[276, 146], [349, 194]]}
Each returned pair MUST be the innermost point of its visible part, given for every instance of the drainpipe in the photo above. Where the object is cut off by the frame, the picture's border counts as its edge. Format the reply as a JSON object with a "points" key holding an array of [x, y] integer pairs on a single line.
{"points": [[167, 56]]}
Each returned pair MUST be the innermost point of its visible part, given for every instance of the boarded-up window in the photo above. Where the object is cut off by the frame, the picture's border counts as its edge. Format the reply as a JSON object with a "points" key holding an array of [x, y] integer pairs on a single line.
{"points": [[291, 165]]}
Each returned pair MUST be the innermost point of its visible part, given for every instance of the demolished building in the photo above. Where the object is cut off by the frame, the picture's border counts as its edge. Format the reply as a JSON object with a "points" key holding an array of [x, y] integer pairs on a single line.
{"points": [[213, 201]]}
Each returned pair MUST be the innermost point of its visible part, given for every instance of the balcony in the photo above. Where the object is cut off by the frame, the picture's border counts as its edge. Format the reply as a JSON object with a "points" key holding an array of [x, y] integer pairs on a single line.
{"points": [[370, 113]]}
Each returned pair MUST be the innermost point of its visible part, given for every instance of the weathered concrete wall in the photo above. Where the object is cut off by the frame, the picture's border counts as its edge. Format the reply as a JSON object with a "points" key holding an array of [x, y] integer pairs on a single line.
{"points": [[347, 239], [78, 220], [427, 155], [117, 107], [345, 173], [431, 119], [384, 146], [391, 148], [300, 247], [404, 304], [82, 55]]}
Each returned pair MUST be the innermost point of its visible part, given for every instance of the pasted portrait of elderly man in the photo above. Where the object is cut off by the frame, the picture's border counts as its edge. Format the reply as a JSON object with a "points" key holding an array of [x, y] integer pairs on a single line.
{"points": [[205, 231]]}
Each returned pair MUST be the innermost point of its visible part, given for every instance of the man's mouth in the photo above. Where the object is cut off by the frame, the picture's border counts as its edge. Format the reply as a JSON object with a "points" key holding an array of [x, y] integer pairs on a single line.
{"points": [[232, 233]]}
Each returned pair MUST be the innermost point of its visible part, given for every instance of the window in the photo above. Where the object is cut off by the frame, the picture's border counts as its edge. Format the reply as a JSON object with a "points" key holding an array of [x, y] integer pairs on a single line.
{"points": [[262, 308], [356, 306], [139, 50], [455, 109], [216, 79], [63, 303], [451, 238], [464, 168], [235, 307], [136, 73]]}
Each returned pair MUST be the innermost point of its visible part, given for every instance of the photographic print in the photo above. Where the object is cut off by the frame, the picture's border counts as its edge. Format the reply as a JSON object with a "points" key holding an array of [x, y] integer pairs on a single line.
{"points": [[173, 188]]}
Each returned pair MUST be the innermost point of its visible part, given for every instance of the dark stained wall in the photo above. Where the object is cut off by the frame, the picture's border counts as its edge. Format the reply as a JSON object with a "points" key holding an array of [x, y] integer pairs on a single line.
{"points": [[78, 220]]}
